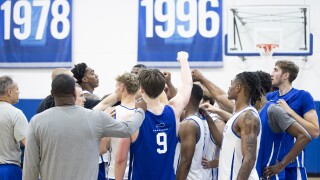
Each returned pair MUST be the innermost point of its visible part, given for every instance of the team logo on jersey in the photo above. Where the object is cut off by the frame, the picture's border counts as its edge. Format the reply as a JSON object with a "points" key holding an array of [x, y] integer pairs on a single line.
{"points": [[160, 125]]}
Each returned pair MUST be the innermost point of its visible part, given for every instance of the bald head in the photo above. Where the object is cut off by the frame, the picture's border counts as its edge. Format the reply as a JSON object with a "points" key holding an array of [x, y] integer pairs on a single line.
{"points": [[58, 71]]}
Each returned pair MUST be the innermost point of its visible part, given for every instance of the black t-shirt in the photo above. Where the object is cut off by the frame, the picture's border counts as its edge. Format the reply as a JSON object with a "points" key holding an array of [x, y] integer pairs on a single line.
{"points": [[45, 104], [91, 103]]}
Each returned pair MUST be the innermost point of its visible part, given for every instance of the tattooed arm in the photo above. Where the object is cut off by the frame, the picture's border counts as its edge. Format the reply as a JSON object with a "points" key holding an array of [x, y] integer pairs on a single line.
{"points": [[249, 127]]}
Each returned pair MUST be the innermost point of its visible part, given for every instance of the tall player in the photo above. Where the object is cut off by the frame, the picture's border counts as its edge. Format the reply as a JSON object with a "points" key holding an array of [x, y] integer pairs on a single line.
{"points": [[299, 104], [274, 121]]}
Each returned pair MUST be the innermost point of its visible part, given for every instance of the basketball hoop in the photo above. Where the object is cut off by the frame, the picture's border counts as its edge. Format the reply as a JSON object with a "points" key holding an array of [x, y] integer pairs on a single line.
{"points": [[266, 50]]}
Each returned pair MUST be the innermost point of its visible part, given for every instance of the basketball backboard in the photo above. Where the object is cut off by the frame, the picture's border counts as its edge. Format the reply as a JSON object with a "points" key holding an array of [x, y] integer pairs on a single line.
{"points": [[285, 26]]}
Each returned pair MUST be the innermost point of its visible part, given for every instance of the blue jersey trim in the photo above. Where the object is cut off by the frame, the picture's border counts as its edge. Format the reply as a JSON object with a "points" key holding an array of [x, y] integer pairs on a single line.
{"points": [[127, 107], [231, 171], [232, 128]]}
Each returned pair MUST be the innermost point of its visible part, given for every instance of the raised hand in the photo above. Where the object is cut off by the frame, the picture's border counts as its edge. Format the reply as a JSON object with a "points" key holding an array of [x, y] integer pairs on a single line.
{"points": [[208, 107], [182, 56], [197, 75], [167, 76]]}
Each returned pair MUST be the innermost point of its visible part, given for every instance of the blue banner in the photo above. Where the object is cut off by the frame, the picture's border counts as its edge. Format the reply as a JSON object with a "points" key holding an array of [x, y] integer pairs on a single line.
{"points": [[169, 26], [35, 33]]}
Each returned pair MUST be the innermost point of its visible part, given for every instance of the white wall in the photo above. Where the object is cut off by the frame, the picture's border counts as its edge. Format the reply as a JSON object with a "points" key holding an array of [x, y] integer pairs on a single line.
{"points": [[105, 37]]}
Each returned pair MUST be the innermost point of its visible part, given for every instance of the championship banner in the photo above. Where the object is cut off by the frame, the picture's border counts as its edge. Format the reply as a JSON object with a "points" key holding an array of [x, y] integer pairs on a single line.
{"points": [[169, 26], [35, 33]]}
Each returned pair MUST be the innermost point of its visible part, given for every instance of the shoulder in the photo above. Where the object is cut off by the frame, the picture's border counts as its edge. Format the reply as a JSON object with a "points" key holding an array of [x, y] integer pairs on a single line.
{"points": [[304, 94], [11, 109], [188, 126], [274, 109], [276, 113], [249, 116], [273, 93]]}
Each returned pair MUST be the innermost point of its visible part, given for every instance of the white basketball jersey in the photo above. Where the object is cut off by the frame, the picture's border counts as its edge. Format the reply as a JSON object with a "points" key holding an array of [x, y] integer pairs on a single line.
{"points": [[231, 154], [211, 151], [121, 113], [196, 171]]}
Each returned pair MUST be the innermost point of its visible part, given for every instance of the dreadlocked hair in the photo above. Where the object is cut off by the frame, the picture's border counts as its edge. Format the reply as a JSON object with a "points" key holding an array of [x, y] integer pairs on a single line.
{"points": [[78, 71], [252, 83], [266, 81]]}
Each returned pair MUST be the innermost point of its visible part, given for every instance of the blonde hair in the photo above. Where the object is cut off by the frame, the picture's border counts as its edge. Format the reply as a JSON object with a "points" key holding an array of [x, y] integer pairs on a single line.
{"points": [[130, 81]]}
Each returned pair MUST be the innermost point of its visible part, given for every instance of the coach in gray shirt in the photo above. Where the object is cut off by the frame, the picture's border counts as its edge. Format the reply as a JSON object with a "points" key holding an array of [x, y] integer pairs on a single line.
{"points": [[63, 142], [13, 129]]}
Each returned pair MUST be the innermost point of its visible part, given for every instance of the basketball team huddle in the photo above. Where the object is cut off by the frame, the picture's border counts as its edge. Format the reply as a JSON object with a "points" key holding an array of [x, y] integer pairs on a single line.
{"points": [[149, 129]]}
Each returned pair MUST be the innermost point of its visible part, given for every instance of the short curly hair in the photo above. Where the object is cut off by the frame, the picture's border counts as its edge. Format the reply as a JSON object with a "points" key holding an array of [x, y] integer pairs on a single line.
{"points": [[130, 81], [78, 71]]}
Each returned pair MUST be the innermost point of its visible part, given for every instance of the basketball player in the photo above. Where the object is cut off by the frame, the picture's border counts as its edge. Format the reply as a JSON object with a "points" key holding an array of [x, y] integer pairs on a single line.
{"points": [[87, 79], [299, 104], [153, 145], [191, 136], [127, 85], [242, 133], [274, 121]]}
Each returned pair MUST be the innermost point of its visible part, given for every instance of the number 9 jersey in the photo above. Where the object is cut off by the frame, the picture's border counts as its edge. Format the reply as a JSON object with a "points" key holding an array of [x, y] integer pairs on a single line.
{"points": [[152, 154]]}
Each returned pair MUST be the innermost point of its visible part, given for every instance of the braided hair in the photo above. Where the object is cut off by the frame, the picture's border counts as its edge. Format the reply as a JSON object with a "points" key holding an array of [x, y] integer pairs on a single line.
{"points": [[266, 81], [78, 71], [252, 84]]}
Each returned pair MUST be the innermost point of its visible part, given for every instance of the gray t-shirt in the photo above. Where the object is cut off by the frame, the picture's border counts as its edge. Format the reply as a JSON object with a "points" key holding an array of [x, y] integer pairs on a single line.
{"points": [[278, 119], [63, 142], [13, 129]]}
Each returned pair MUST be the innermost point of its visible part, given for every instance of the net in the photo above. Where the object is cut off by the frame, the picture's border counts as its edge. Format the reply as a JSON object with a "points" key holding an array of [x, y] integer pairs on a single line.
{"points": [[266, 50]]}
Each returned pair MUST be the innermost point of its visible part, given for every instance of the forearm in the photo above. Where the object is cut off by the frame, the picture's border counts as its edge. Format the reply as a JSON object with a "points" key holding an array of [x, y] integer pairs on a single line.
{"points": [[246, 168], [218, 94], [186, 81], [311, 128], [107, 102], [120, 168], [214, 90], [122, 129], [297, 148], [183, 170], [217, 136], [225, 116], [172, 91]]}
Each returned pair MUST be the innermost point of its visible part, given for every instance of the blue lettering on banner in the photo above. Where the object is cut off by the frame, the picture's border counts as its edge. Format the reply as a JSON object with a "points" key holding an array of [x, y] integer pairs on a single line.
{"points": [[35, 33], [169, 26]]}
